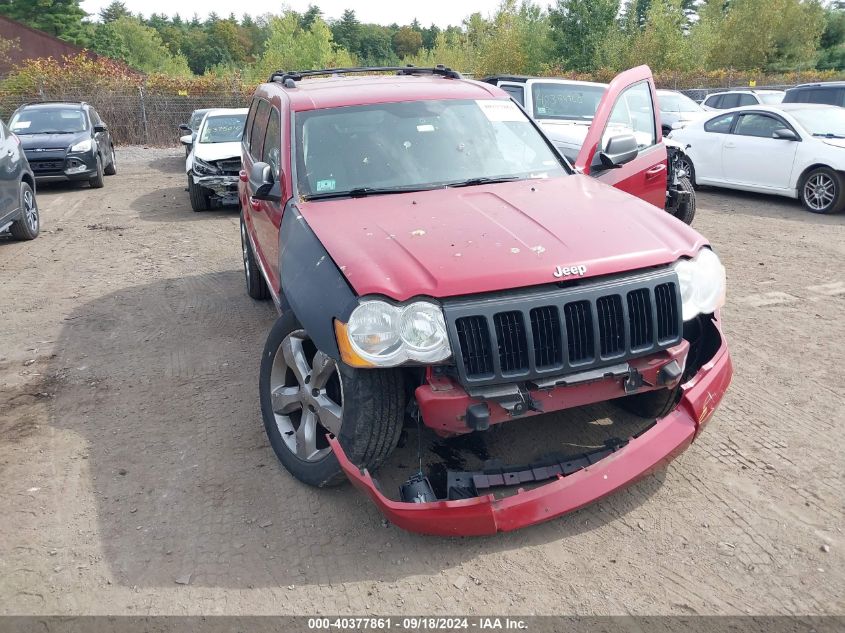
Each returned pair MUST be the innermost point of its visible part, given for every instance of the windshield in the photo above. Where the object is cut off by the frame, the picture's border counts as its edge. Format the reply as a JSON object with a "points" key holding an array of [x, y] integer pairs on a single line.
{"points": [[418, 145], [574, 102], [771, 97], [48, 121], [828, 120], [224, 128], [677, 102]]}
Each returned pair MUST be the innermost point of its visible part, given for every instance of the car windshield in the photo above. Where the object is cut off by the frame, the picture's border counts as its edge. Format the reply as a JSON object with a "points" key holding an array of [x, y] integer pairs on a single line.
{"points": [[822, 121], [575, 102], [770, 97], [418, 145], [223, 128], [48, 121], [676, 102]]}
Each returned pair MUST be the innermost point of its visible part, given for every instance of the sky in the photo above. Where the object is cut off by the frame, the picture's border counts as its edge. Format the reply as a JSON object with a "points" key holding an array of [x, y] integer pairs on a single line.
{"points": [[439, 12]]}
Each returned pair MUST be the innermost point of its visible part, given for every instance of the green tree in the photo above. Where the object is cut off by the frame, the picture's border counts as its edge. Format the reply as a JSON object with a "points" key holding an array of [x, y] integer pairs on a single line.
{"points": [[346, 31], [61, 18], [662, 44], [407, 42], [375, 46], [145, 50], [114, 11], [832, 42], [578, 28], [310, 16]]}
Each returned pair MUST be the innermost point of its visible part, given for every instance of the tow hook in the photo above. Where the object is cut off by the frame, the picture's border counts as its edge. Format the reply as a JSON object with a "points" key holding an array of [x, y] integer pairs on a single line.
{"points": [[633, 381]]}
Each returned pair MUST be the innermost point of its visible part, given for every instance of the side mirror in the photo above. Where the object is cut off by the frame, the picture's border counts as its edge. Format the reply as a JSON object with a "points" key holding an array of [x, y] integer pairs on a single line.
{"points": [[185, 128], [188, 139], [619, 150], [785, 134], [264, 186], [99, 128]]}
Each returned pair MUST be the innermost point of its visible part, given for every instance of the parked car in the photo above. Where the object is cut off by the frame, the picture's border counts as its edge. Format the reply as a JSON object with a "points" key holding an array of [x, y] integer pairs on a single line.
{"points": [[829, 93], [792, 149], [565, 110], [65, 141], [744, 97], [189, 129], [433, 256], [676, 110], [214, 161], [18, 207]]}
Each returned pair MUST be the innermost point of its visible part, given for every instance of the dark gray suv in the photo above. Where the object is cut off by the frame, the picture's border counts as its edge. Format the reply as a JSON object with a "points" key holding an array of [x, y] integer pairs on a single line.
{"points": [[18, 209], [65, 141]]}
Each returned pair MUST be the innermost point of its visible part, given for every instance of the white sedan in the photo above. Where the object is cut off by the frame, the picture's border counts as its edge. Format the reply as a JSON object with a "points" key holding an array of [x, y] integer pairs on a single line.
{"points": [[791, 149]]}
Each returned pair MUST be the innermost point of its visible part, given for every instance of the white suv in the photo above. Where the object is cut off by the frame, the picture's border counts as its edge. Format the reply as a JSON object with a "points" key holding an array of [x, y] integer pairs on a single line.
{"points": [[736, 98]]}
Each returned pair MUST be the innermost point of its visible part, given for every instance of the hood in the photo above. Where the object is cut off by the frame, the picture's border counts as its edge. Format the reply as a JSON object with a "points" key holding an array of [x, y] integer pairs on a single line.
{"points": [[450, 242], [217, 151], [51, 141], [835, 142]]}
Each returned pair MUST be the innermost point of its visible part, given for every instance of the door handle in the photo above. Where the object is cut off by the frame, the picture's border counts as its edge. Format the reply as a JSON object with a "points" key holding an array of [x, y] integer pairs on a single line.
{"points": [[730, 145], [655, 171], [255, 204]]}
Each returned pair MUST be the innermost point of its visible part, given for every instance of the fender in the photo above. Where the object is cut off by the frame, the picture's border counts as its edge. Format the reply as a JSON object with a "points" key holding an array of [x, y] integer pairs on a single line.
{"points": [[311, 283]]}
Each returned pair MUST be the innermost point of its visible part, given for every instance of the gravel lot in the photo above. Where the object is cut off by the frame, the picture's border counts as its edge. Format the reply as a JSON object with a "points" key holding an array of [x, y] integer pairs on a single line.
{"points": [[137, 478]]}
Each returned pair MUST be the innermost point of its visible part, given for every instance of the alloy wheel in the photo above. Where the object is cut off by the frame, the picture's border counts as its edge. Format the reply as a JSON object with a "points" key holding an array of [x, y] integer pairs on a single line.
{"points": [[30, 210], [819, 191], [245, 251], [306, 393]]}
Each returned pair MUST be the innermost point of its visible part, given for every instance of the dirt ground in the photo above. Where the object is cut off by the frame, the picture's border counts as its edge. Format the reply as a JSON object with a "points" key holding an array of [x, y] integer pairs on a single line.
{"points": [[136, 477]]}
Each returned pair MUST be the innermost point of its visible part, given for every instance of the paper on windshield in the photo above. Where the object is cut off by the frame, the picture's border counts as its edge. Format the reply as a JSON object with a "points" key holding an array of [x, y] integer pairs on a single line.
{"points": [[21, 125], [498, 110]]}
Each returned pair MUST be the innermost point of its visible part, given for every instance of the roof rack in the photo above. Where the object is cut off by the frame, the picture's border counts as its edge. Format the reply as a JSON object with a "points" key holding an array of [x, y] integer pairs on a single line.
{"points": [[289, 78], [82, 103]]}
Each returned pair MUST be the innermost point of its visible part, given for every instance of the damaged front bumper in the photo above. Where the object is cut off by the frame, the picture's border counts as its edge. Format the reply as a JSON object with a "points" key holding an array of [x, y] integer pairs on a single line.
{"points": [[224, 187], [577, 483]]}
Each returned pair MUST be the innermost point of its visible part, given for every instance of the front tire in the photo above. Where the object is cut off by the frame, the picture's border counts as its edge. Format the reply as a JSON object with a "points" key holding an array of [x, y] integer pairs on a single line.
{"points": [[200, 199], [822, 191], [29, 225], [305, 394], [686, 210], [256, 286], [98, 181]]}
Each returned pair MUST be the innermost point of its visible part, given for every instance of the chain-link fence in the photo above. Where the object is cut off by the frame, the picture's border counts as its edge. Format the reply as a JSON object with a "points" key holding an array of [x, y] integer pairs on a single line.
{"points": [[134, 115]]}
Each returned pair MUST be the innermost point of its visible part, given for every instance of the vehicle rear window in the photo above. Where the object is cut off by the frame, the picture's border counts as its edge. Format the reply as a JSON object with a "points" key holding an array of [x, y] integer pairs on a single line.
{"points": [[713, 102], [574, 102], [48, 121], [720, 125], [418, 144], [770, 98], [730, 100], [517, 92]]}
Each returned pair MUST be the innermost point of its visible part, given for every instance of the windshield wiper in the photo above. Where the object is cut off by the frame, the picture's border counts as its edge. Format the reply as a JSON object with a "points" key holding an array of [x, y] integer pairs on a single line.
{"points": [[484, 180], [53, 132], [361, 192], [828, 135]]}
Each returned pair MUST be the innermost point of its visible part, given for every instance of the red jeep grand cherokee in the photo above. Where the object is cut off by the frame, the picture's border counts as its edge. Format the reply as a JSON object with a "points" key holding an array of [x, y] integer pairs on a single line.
{"points": [[432, 254]]}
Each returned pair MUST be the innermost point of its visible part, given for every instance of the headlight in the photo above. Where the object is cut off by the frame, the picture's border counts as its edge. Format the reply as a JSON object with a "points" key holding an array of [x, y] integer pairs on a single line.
{"points": [[702, 284], [82, 146], [204, 168], [385, 335]]}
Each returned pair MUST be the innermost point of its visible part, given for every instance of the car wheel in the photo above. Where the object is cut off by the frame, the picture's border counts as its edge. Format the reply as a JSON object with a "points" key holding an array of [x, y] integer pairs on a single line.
{"points": [[305, 394], [686, 210], [822, 191], [256, 286], [685, 163], [651, 404], [97, 181], [111, 169], [27, 227], [200, 199]]}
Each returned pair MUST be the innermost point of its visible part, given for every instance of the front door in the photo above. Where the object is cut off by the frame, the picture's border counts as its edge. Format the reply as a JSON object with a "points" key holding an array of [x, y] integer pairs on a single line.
{"points": [[629, 106], [751, 154]]}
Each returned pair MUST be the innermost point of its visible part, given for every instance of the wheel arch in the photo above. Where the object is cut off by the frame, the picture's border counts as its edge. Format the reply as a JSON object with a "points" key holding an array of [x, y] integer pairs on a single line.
{"points": [[800, 180], [29, 179]]}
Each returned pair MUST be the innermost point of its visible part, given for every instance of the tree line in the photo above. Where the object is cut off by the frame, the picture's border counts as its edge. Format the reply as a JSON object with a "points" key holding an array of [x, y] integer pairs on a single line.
{"points": [[583, 36]]}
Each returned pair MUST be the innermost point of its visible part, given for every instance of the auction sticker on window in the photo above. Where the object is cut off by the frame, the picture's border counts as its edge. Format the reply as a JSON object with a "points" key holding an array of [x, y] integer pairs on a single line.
{"points": [[500, 110]]}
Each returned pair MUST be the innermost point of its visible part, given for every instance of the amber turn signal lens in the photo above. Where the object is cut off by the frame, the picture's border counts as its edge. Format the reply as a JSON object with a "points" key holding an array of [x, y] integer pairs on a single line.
{"points": [[347, 354]]}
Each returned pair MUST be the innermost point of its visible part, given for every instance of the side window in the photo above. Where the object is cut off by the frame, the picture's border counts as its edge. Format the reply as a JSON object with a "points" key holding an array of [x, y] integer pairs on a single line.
{"points": [[517, 92], [729, 101], [822, 95], [250, 117], [747, 99], [633, 113], [273, 143], [761, 125], [95, 118], [720, 125], [713, 101], [259, 125]]}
